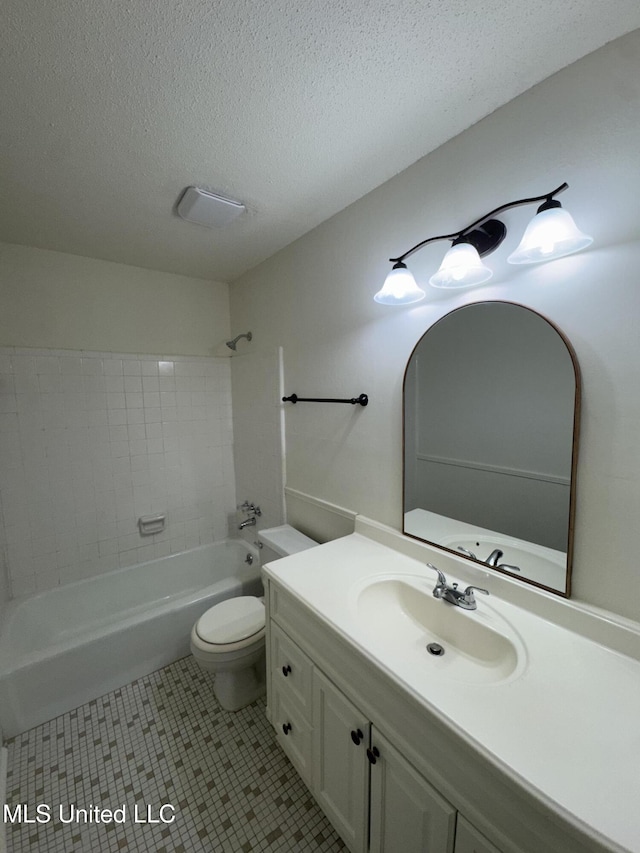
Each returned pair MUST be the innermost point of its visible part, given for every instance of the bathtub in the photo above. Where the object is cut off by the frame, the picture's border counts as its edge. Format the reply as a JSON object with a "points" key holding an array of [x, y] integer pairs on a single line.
{"points": [[65, 646]]}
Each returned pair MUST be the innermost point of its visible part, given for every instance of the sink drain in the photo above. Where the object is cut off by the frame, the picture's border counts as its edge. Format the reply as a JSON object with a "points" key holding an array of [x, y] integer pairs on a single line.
{"points": [[435, 649]]}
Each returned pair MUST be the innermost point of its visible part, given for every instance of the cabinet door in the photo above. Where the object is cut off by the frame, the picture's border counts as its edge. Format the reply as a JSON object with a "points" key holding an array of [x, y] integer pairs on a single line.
{"points": [[340, 766], [407, 814], [469, 840]]}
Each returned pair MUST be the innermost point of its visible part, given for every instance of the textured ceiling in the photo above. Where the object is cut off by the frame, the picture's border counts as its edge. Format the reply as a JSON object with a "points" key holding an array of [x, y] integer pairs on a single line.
{"points": [[110, 108]]}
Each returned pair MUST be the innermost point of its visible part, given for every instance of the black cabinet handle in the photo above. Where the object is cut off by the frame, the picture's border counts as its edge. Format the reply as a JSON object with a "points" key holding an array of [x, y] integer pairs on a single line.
{"points": [[286, 670], [356, 737], [286, 728], [373, 755]]}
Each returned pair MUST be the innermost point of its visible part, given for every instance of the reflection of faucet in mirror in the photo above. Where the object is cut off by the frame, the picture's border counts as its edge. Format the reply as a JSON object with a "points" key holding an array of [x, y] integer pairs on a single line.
{"points": [[453, 595], [492, 560], [468, 553]]}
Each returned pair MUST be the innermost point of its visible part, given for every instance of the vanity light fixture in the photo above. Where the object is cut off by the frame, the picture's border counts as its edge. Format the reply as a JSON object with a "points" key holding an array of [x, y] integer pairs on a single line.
{"points": [[551, 234]]}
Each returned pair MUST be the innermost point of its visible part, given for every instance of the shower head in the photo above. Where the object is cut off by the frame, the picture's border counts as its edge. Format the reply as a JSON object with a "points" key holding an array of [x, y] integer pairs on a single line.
{"points": [[232, 344]]}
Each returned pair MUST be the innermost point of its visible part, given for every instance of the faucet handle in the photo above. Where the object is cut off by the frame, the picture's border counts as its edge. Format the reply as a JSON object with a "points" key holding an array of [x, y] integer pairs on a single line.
{"points": [[250, 508], [468, 593], [441, 585], [468, 600], [467, 552]]}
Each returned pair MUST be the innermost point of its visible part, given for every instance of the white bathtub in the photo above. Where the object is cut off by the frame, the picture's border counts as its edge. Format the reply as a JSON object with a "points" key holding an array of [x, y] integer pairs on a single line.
{"points": [[66, 646]]}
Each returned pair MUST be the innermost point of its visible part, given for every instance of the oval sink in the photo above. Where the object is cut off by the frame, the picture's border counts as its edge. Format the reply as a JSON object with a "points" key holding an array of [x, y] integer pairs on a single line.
{"points": [[403, 617]]}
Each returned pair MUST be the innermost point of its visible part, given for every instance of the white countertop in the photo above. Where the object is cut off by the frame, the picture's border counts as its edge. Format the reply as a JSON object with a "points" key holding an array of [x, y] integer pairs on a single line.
{"points": [[566, 723]]}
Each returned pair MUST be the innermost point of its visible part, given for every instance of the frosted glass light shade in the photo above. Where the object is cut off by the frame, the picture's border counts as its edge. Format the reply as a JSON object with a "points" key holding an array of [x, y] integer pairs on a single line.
{"points": [[399, 288], [461, 267], [550, 234]]}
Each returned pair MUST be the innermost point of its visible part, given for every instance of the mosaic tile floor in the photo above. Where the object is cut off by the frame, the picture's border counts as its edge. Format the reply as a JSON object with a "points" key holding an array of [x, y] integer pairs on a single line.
{"points": [[161, 740]]}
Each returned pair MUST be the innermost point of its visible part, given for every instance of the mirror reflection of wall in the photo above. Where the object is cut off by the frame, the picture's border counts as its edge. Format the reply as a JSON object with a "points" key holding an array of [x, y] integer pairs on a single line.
{"points": [[489, 404]]}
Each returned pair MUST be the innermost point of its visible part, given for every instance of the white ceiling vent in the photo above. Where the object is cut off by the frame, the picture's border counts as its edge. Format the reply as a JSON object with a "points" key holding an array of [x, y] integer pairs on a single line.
{"points": [[207, 208]]}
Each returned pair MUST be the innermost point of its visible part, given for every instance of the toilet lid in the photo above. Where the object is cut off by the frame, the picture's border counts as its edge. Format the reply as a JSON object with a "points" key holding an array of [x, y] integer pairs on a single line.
{"points": [[231, 621]]}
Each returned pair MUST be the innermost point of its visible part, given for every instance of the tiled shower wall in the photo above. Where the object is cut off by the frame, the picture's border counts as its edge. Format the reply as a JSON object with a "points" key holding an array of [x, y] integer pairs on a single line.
{"points": [[91, 441]]}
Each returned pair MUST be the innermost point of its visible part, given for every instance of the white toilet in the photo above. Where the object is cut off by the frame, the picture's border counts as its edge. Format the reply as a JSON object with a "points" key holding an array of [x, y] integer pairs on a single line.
{"points": [[228, 639]]}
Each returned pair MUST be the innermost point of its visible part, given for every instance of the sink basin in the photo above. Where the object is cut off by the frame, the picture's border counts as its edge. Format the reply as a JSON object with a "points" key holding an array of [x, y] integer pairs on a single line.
{"points": [[400, 615]]}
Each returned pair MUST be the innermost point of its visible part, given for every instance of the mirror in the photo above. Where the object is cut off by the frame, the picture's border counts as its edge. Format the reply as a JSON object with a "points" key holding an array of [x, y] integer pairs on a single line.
{"points": [[491, 404]]}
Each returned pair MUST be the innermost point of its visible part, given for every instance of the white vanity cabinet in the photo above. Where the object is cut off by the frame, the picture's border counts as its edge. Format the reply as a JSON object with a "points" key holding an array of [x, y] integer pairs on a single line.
{"points": [[473, 750], [374, 797]]}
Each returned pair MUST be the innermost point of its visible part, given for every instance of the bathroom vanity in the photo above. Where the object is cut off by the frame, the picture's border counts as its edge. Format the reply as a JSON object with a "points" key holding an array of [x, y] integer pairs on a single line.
{"points": [[520, 735]]}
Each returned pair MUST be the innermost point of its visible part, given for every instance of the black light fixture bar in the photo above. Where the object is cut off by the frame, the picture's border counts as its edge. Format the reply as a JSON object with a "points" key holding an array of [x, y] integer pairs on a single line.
{"points": [[486, 233]]}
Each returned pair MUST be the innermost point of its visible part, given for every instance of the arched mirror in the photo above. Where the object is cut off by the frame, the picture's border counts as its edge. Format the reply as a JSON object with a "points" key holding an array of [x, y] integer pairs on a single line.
{"points": [[491, 412]]}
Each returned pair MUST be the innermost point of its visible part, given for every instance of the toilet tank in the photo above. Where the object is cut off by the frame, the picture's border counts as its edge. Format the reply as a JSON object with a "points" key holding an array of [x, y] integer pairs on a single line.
{"points": [[282, 541]]}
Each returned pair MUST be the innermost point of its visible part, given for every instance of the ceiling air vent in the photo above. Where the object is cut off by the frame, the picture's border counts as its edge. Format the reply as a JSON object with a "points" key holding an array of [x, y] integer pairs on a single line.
{"points": [[208, 209]]}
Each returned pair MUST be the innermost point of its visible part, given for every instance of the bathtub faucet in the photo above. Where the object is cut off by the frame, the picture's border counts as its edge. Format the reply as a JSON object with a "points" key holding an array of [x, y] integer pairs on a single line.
{"points": [[252, 511]]}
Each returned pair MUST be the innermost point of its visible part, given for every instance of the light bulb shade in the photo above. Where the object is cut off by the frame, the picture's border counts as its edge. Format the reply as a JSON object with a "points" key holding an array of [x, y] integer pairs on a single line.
{"points": [[461, 267], [399, 288], [550, 234]]}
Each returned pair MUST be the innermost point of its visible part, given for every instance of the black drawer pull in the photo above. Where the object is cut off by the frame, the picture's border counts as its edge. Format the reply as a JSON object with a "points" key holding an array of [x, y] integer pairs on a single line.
{"points": [[373, 754], [286, 670], [286, 728], [356, 737]]}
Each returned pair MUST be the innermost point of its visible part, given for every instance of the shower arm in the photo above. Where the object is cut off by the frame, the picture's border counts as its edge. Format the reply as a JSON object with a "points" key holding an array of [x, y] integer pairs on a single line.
{"points": [[232, 344]]}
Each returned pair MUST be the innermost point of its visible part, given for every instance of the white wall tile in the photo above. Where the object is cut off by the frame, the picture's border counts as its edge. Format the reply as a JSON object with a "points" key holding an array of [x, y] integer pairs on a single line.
{"points": [[90, 441], [91, 366], [112, 367]]}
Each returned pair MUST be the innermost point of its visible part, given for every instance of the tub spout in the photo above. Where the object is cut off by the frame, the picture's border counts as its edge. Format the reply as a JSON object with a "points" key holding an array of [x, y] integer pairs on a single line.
{"points": [[248, 522]]}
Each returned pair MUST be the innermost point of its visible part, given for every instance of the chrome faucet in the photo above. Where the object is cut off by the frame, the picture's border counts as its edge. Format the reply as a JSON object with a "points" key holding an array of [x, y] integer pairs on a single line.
{"points": [[467, 552], [252, 511], [453, 595], [494, 557]]}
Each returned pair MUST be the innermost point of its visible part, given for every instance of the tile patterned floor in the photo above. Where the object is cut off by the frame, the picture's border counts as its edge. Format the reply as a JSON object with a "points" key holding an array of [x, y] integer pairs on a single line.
{"points": [[161, 740]]}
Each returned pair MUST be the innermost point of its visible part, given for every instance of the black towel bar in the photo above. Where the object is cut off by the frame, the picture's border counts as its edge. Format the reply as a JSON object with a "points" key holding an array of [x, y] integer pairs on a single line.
{"points": [[362, 400]]}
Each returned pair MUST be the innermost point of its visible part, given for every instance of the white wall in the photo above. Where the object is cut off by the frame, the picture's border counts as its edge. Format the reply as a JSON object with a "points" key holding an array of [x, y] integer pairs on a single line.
{"points": [[258, 464], [118, 413], [315, 300], [61, 301]]}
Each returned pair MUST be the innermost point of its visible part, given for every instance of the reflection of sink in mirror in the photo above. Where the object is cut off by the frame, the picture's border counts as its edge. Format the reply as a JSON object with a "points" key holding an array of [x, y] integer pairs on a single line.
{"points": [[403, 617], [542, 565], [536, 562]]}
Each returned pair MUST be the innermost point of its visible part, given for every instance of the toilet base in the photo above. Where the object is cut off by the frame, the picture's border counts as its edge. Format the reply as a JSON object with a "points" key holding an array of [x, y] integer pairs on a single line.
{"points": [[237, 689]]}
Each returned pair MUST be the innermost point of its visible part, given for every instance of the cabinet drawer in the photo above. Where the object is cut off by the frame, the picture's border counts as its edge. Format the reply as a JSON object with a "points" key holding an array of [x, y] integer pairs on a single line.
{"points": [[291, 671], [293, 733]]}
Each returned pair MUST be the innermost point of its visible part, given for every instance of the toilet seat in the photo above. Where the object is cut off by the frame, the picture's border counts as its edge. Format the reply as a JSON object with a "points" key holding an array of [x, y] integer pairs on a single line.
{"points": [[231, 625]]}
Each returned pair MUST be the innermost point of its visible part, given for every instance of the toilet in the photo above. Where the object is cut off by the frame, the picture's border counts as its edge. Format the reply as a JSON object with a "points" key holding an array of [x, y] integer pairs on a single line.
{"points": [[228, 639]]}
